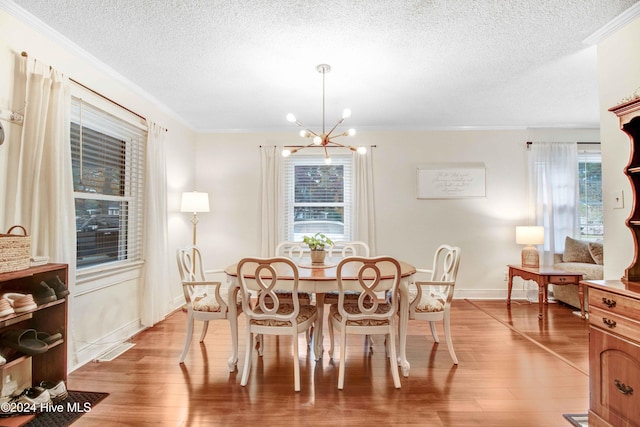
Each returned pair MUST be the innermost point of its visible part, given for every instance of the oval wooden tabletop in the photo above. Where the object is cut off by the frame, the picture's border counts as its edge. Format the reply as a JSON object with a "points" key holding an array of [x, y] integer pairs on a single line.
{"points": [[328, 271]]}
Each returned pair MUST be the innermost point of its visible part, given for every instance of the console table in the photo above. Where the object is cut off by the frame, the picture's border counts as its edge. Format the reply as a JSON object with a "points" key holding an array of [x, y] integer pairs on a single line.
{"points": [[543, 276]]}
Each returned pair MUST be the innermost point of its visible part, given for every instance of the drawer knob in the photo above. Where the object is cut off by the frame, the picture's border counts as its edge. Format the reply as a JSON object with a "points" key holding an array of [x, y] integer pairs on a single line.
{"points": [[623, 388], [608, 302], [610, 323]]}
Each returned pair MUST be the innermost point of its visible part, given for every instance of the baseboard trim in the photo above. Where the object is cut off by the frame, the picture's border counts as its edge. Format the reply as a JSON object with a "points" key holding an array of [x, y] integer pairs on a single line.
{"points": [[89, 352]]}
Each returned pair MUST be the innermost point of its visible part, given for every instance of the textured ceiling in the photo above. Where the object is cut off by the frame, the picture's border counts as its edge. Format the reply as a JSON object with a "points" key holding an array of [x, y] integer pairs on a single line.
{"points": [[225, 65]]}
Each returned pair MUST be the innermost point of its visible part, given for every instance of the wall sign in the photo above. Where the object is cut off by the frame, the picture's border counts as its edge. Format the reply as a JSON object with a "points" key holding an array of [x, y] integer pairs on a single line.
{"points": [[451, 180]]}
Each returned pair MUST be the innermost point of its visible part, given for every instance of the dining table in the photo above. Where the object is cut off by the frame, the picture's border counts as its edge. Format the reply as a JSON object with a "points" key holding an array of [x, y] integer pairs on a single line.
{"points": [[320, 279]]}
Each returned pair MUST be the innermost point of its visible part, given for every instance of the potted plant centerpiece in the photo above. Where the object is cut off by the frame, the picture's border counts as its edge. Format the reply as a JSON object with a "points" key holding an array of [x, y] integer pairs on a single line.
{"points": [[316, 244]]}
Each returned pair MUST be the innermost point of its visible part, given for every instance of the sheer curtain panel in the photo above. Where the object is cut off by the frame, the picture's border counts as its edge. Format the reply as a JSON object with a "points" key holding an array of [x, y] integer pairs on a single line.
{"points": [[364, 218], [270, 199], [156, 300], [553, 193], [40, 181]]}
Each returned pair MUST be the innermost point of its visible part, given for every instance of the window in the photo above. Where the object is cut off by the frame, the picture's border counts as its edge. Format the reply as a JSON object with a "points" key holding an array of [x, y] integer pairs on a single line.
{"points": [[107, 154], [590, 193], [318, 197]]}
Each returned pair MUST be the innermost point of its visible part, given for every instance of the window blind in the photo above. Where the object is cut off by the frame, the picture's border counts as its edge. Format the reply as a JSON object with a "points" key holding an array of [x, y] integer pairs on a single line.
{"points": [[318, 197], [107, 155]]}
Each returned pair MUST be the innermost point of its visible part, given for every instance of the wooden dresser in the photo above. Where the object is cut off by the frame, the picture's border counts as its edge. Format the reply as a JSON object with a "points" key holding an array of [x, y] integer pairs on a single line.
{"points": [[614, 353]]}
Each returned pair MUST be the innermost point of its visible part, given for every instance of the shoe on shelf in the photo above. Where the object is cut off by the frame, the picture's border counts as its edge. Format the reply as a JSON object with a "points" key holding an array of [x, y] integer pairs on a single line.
{"points": [[48, 338], [20, 302], [30, 401], [33, 397], [43, 293], [59, 287], [24, 340], [57, 390], [5, 308]]}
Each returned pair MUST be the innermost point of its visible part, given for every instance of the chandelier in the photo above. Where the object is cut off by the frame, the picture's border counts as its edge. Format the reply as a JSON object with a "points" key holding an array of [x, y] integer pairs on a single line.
{"points": [[324, 139]]}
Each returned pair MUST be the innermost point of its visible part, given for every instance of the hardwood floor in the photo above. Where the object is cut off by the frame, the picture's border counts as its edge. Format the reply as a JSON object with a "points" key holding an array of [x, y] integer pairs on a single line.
{"points": [[513, 371]]}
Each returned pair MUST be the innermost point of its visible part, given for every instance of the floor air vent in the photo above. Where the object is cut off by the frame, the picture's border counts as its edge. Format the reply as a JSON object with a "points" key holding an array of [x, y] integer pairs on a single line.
{"points": [[115, 352]]}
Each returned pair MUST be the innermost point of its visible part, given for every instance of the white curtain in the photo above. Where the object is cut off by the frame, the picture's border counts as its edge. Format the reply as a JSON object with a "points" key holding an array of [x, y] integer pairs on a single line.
{"points": [[156, 300], [40, 180], [364, 218], [553, 193], [270, 199]]}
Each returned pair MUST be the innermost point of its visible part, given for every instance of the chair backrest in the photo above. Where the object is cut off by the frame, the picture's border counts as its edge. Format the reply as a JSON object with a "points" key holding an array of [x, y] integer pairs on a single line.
{"points": [[266, 275], [345, 249], [446, 261], [190, 269], [372, 274], [293, 250]]}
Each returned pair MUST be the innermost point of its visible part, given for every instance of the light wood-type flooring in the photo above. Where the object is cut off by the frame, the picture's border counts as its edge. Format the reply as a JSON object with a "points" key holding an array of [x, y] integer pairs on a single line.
{"points": [[514, 371]]}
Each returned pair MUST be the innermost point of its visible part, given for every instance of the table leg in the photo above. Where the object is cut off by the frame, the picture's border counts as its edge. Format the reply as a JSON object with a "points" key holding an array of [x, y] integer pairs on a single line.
{"points": [[581, 298], [509, 287], [541, 297], [317, 328], [404, 323], [233, 323]]}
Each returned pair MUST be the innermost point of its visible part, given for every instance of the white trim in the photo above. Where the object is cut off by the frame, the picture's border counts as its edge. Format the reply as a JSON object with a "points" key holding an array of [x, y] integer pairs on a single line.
{"points": [[88, 352], [614, 25], [490, 294], [92, 279]]}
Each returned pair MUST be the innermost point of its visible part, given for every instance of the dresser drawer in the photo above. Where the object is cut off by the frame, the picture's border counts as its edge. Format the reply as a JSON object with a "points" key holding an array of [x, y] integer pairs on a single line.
{"points": [[614, 323], [614, 303]]}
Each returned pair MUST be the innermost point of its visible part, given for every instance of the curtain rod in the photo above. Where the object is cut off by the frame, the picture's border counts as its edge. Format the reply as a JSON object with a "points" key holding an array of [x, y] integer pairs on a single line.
{"points": [[26, 55], [530, 143], [310, 146]]}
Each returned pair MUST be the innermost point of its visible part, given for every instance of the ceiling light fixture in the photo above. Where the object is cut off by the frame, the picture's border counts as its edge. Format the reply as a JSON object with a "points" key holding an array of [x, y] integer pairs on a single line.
{"points": [[324, 139]]}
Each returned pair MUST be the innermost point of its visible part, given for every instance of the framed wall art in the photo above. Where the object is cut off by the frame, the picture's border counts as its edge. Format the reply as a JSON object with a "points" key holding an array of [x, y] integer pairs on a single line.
{"points": [[451, 180]]}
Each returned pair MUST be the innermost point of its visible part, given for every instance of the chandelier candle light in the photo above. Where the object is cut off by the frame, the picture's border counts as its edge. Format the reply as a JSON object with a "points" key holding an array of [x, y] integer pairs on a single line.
{"points": [[195, 202], [324, 139], [530, 236]]}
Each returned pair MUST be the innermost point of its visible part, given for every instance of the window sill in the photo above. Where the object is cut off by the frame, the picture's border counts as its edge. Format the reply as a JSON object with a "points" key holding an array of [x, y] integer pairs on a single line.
{"points": [[93, 278]]}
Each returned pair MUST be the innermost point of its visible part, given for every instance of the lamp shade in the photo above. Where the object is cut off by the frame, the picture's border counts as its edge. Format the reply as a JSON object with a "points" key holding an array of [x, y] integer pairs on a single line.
{"points": [[194, 201], [530, 235]]}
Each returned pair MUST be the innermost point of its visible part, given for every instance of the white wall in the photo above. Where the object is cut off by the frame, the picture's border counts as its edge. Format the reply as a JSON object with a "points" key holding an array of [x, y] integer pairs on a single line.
{"points": [[107, 310], [618, 78], [228, 167]]}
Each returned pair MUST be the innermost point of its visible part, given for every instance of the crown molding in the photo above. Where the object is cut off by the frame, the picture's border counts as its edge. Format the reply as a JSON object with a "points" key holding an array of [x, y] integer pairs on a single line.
{"points": [[614, 25]]}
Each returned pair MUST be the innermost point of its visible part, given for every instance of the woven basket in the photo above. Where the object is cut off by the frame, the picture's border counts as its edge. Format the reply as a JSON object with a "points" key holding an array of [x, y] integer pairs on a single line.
{"points": [[15, 250]]}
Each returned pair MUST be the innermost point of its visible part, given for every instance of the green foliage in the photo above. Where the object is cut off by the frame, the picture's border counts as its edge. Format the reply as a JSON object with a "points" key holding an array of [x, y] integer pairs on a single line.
{"points": [[317, 242]]}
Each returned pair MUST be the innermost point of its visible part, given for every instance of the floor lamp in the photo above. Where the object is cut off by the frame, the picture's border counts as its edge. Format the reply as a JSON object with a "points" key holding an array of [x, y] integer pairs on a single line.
{"points": [[195, 202]]}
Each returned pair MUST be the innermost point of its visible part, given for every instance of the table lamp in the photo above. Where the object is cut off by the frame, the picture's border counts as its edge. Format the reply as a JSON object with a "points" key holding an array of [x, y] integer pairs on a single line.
{"points": [[195, 202], [530, 235]]}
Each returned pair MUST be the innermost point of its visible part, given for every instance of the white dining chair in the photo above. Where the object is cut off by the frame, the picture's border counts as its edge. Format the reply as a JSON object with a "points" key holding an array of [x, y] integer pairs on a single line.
{"points": [[205, 300], [431, 293], [367, 315], [295, 252], [344, 249], [272, 315], [340, 250]]}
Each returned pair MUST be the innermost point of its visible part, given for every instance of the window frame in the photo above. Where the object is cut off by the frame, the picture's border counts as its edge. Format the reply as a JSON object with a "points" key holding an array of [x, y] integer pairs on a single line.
{"points": [[589, 153], [130, 251], [289, 203]]}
